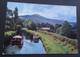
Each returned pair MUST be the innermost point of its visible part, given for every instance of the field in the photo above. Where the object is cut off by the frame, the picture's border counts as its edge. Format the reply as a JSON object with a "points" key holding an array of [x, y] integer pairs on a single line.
{"points": [[54, 45]]}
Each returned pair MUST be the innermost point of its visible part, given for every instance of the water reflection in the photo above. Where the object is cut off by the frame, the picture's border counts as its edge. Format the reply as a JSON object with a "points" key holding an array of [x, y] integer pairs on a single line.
{"points": [[36, 40], [30, 46]]}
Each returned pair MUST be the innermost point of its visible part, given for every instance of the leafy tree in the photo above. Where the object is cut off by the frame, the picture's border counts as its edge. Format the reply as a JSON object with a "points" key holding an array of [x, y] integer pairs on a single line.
{"points": [[20, 22], [38, 25], [8, 24], [59, 30], [57, 26], [9, 13], [50, 26], [16, 13], [66, 30], [15, 17], [11, 23], [43, 24], [30, 24]]}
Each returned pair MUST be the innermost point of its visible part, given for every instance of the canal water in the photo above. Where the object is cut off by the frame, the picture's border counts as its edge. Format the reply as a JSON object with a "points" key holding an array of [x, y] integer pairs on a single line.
{"points": [[30, 46]]}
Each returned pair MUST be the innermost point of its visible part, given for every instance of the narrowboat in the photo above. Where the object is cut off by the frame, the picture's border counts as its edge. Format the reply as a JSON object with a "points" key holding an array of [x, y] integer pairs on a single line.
{"points": [[17, 40], [35, 36]]}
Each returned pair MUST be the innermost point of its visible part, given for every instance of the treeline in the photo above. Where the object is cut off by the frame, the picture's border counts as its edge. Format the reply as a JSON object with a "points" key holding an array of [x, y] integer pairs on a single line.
{"points": [[67, 30], [64, 29], [13, 22]]}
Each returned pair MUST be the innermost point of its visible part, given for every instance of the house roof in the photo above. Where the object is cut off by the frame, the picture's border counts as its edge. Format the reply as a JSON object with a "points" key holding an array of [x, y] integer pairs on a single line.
{"points": [[17, 36], [45, 28]]}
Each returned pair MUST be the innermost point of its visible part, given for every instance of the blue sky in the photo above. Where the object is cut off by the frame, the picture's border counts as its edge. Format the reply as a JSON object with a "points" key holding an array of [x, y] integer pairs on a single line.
{"points": [[58, 12]]}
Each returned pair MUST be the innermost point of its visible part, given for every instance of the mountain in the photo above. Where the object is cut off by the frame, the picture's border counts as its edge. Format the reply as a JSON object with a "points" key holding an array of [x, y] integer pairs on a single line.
{"points": [[73, 23], [40, 19]]}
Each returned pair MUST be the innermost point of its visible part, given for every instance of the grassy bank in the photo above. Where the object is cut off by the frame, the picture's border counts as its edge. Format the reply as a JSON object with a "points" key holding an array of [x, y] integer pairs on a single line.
{"points": [[9, 33], [8, 36], [55, 46]]}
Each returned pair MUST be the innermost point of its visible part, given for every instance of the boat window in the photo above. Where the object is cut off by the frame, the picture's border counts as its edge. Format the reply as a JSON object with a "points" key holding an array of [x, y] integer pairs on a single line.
{"points": [[19, 39], [16, 39]]}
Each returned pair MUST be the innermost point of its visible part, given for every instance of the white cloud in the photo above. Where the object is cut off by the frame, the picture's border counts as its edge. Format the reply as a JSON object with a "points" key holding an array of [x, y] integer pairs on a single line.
{"points": [[50, 11]]}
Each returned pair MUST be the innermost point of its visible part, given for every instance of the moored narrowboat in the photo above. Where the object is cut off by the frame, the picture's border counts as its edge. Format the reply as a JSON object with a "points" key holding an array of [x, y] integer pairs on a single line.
{"points": [[17, 40], [35, 36]]}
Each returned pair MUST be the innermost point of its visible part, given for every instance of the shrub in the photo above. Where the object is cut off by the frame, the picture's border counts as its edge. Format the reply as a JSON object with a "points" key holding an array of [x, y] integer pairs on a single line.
{"points": [[9, 33]]}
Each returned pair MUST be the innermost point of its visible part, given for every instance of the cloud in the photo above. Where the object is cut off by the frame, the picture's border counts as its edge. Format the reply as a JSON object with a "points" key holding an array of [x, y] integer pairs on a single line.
{"points": [[49, 11]]}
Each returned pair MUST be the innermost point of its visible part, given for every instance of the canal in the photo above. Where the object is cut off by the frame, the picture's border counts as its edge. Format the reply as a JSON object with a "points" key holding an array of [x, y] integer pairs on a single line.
{"points": [[30, 46]]}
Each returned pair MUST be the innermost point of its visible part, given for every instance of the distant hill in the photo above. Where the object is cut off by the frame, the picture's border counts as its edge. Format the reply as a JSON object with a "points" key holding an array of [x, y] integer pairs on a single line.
{"points": [[73, 23], [39, 19]]}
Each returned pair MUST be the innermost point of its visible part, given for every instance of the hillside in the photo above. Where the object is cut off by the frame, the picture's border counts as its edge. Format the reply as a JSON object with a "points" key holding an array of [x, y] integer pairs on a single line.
{"points": [[39, 19]]}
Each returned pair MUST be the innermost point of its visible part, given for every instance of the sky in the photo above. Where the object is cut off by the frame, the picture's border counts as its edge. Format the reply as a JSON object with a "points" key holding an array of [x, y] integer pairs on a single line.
{"points": [[58, 12]]}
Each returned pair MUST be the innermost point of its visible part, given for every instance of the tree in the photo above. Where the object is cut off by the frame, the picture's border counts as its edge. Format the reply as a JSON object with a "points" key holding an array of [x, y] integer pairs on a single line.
{"points": [[38, 25], [66, 30], [15, 17], [57, 25], [30, 25], [43, 24], [50, 26], [8, 13], [16, 13], [12, 20], [20, 22]]}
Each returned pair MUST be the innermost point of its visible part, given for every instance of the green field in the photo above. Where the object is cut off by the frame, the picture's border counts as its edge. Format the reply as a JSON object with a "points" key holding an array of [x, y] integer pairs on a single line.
{"points": [[55, 45]]}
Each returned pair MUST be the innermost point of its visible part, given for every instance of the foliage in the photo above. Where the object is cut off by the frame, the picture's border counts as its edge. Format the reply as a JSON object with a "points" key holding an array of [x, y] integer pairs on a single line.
{"points": [[8, 36], [8, 24], [13, 22], [30, 25], [46, 25], [66, 30], [9, 33], [9, 13]]}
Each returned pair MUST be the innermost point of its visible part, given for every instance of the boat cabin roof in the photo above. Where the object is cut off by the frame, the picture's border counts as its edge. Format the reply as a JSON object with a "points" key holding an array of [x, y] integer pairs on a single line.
{"points": [[17, 36], [36, 34]]}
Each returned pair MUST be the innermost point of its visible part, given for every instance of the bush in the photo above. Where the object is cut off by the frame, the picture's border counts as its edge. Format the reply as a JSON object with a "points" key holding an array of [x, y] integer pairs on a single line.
{"points": [[8, 36], [68, 40], [9, 33]]}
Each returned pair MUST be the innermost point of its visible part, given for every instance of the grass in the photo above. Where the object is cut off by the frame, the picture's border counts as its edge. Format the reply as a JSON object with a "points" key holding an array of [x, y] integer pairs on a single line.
{"points": [[55, 46], [9, 33]]}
